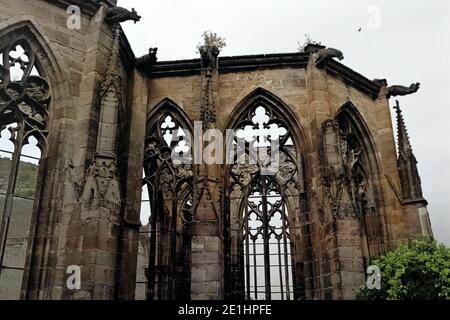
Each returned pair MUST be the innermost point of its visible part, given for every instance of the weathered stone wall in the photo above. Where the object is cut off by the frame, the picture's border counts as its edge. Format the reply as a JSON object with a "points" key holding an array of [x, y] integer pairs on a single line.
{"points": [[69, 231], [80, 221], [336, 265]]}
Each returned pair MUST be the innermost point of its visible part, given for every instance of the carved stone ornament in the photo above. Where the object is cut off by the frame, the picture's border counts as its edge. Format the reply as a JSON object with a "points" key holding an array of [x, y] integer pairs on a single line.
{"points": [[397, 90], [350, 152], [72, 187], [318, 197], [112, 81], [333, 189], [184, 170], [24, 95], [168, 169], [344, 182], [102, 182], [167, 157], [244, 171], [286, 169], [209, 65], [380, 82], [116, 15], [209, 57], [325, 55], [148, 60]]}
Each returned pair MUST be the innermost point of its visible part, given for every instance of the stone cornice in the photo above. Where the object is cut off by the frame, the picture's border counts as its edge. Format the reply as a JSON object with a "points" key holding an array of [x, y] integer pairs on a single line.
{"points": [[353, 78], [88, 7], [229, 64], [262, 62]]}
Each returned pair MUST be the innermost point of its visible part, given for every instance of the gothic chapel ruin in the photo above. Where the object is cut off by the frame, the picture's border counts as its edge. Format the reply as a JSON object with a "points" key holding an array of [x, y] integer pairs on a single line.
{"points": [[88, 131]]}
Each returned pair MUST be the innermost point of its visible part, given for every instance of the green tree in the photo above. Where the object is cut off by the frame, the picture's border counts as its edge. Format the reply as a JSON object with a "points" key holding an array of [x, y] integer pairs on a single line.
{"points": [[417, 271]]}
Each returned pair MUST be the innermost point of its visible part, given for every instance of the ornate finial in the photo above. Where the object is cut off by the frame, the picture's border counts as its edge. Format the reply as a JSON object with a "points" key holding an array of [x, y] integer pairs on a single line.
{"points": [[404, 144], [112, 64], [112, 72], [209, 58], [407, 163], [209, 50], [116, 15]]}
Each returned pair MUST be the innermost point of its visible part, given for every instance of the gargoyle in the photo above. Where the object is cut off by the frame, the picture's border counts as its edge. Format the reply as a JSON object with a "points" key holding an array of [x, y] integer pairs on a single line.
{"points": [[118, 14], [147, 60], [324, 55], [394, 91], [209, 56], [380, 82]]}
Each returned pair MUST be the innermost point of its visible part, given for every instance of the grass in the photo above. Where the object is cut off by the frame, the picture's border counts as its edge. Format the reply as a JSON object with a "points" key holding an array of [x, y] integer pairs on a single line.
{"points": [[26, 178]]}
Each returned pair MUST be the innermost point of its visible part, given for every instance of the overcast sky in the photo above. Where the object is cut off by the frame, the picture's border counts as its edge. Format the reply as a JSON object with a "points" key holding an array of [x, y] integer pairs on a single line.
{"points": [[409, 43]]}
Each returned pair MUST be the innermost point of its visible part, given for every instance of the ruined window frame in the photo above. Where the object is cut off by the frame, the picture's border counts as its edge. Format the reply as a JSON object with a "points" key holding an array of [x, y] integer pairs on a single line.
{"points": [[369, 202], [177, 179], [26, 103]]}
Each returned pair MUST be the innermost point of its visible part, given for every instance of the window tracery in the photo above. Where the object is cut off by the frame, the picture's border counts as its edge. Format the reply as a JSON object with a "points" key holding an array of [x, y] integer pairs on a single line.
{"points": [[24, 101], [168, 181], [262, 254]]}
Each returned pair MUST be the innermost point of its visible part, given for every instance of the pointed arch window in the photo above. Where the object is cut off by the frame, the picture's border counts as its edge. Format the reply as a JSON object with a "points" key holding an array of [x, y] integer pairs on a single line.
{"points": [[166, 207], [24, 101], [361, 171], [263, 208]]}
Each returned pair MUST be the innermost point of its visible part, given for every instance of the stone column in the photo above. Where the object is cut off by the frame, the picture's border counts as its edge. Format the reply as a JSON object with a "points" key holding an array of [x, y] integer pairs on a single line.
{"points": [[131, 224], [206, 239], [92, 205], [94, 224], [336, 239], [320, 277]]}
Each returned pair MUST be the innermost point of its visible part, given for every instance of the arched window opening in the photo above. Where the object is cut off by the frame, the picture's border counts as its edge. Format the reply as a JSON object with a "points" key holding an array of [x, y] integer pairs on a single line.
{"points": [[24, 100], [361, 172], [262, 251], [165, 239]]}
